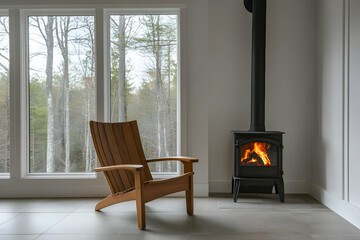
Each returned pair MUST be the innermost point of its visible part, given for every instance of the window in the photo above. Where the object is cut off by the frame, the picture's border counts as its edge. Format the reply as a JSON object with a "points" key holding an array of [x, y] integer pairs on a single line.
{"points": [[57, 84], [4, 96], [61, 85], [143, 70]]}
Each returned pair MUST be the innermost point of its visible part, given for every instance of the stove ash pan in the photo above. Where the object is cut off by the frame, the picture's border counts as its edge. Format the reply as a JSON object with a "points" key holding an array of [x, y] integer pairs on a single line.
{"points": [[257, 160]]}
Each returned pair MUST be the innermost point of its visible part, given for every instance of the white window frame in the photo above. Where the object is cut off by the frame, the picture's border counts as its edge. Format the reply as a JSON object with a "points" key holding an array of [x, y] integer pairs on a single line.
{"points": [[107, 65], [4, 12], [25, 159], [18, 184]]}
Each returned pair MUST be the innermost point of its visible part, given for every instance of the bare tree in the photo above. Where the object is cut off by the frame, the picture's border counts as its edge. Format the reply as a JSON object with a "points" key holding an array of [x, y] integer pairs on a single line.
{"points": [[122, 27], [62, 35], [46, 29]]}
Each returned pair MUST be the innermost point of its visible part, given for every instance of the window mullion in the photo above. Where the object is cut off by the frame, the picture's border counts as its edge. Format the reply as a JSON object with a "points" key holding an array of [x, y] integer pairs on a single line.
{"points": [[102, 87], [16, 77]]}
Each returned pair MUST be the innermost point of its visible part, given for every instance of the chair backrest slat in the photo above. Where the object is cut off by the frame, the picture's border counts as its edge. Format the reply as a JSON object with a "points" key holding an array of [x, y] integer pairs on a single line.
{"points": [[109, 161], [115, 144], [136, 158], [140, 149], [101, 155], [120, 140]]}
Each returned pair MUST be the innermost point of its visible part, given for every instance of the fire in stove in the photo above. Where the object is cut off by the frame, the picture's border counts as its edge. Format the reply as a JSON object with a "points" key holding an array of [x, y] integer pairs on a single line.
{"points": [[254, 154]]}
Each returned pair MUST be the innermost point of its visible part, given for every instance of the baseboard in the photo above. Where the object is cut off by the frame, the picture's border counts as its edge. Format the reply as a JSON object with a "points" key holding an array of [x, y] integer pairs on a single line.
{"points": [[345, 209], [94, 190], [291, 186], [200, 190]]}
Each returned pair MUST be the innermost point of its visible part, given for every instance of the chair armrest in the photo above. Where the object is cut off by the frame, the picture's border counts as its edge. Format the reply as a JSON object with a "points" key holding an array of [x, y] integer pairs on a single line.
{"points": [[183, 159], [130, 167]]}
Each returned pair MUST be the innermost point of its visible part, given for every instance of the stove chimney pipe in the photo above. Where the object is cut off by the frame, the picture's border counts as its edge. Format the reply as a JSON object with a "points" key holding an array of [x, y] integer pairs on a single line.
{"points": [[258, 10]]}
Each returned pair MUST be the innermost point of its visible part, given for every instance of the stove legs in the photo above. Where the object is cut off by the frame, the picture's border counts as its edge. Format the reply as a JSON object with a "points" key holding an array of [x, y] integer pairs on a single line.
{"points": [[236, 189], [279, 188]]}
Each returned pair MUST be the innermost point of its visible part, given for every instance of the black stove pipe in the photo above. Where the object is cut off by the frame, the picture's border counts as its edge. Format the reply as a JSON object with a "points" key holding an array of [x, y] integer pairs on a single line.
{"points": [[258, 9]]}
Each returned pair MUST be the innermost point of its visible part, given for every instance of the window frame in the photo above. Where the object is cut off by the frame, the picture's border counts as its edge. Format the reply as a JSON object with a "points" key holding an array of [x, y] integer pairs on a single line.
{"points": [[5, 12], [107, 65], [25, 98], [20, 185]]}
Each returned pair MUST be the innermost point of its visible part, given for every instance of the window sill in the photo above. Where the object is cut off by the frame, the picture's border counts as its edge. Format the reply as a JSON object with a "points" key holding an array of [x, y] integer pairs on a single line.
{"points": [[162, 175], [4, 175], [60, 176]]}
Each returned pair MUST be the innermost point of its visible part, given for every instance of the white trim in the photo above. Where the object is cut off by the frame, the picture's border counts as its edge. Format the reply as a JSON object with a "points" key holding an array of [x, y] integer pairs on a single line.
{"points": [[71, 4], [346, 55], [15, 76], [91, 175], [291, 186], [4, 12], [59, 12], [162, 175], [25, 95], [345, 209], [182, 83], [4, 175], [142, 11], [201, 189]]}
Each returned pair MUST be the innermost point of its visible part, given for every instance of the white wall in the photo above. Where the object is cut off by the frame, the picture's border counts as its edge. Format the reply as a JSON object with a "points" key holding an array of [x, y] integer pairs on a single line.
{"points": [[217, 86], [197, 92], [335, 170], [327, 167], [290, 79]]}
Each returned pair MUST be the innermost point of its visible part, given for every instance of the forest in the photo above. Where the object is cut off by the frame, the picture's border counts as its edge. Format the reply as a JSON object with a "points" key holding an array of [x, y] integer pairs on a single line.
{"points": [[62, 87]]}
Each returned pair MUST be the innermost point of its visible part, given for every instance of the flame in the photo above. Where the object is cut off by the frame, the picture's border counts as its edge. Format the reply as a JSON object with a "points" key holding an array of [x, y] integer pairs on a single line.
{"points": [[260, 149]]}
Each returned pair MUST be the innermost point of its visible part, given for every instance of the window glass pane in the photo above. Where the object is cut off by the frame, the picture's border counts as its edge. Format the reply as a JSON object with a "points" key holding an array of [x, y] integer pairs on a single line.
{"points": [[4, 96], [62, 93], [143, 52]]}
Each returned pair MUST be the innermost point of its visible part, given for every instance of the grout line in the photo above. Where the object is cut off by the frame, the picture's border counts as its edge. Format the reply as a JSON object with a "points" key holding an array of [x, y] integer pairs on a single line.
{"points": [[18, 213], [53, 225]]}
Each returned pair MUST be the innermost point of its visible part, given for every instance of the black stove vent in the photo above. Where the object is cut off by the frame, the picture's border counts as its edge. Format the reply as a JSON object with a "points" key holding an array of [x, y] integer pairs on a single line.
{"points": [[258, 10]]}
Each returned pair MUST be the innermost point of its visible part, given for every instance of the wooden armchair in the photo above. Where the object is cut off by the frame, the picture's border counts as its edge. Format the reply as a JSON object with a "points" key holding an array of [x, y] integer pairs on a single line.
{"points": [[121, 156]]}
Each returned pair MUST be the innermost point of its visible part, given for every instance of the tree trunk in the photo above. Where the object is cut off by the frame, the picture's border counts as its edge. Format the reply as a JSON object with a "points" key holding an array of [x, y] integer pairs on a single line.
{"points": [[63, 39], [50, 160]]}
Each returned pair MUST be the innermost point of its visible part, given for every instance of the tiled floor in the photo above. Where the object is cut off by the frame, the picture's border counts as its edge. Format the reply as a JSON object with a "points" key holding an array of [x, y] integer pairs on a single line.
{"points": [[253, 217]]}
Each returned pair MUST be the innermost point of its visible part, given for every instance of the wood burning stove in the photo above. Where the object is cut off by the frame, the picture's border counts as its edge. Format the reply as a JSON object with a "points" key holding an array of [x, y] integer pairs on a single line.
{"points": [[257, 153], [257, 162]]}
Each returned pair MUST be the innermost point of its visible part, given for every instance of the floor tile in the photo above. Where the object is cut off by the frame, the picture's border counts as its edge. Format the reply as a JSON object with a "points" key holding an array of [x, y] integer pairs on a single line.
{"points": [[78, 237], [337, 237], [259, 236], [18, 237], [18, 205], [325, 223], [30, 223], [244, 223], [7, 216], [93, 223], [56, 205], [170, 223], [254, 216], [151, 237]]}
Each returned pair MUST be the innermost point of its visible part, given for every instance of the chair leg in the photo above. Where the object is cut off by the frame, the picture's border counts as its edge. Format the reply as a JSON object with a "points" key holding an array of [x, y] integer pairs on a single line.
{"points": [[140, 207], [190, 197], [140, 203]]}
